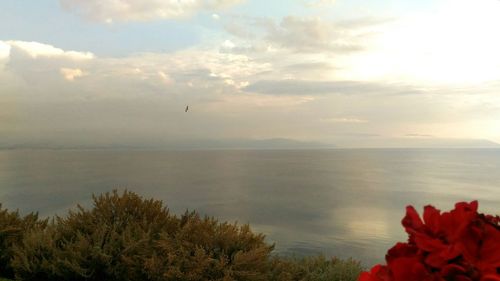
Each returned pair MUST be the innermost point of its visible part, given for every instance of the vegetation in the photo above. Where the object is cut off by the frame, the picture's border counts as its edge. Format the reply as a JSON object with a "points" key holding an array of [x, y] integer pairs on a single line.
{"points": [[314, 268], [12, 229], [125, 237]]}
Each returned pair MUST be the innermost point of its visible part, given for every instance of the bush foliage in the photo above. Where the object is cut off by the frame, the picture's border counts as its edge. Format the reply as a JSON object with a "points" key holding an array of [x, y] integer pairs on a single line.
{"points": [[125, 237], [314, 268], [12, 229]]}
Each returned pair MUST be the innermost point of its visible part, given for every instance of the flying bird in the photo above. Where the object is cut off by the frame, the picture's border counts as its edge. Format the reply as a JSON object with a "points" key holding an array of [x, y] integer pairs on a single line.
{"points": [[187, 108]]}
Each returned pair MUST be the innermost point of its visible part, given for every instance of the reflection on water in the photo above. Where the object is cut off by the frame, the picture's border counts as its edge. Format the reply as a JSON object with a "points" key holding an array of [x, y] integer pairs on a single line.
{"points": [[338, 202]]}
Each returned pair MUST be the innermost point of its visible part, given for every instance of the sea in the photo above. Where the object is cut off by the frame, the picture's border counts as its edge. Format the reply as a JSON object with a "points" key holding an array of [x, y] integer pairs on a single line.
{"points": [[339, 202]]}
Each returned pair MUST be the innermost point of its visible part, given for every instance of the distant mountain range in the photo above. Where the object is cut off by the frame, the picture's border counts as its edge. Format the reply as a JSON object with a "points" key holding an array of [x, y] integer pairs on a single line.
{"points": [[416, 142], [274, 143]]}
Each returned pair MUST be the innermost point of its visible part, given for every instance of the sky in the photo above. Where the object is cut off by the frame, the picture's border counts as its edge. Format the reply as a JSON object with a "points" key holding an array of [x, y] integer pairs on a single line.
{"points": [[349, 73]]}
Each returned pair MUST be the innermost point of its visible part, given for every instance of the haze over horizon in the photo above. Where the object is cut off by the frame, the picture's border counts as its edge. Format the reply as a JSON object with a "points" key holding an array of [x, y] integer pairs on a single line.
{"points": [[345, 73]]}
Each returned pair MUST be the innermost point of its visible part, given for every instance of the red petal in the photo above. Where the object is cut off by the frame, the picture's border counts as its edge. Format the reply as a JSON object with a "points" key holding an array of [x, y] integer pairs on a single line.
{"points": [[491, 277], [490, 250], [408, 269], [412, 221], [451, 270], [431, 218], [462, 278], [436, 260], [464, 206], [429, 244], [377, 273], [365, 276]]}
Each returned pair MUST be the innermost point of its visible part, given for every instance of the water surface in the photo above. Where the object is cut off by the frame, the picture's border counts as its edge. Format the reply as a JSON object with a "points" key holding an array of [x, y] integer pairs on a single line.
{"points": [[347, 203]]}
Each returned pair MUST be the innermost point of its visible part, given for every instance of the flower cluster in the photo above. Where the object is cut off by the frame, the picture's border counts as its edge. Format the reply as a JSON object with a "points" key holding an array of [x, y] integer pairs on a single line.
{"points": [[460, 245]]}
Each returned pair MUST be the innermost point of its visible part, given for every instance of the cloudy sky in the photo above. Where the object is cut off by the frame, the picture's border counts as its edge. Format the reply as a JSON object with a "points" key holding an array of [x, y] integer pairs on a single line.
{"points": [[346, 72]]}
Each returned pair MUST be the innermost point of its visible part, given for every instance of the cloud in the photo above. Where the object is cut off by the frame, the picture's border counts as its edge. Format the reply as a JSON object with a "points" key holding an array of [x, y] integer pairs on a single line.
{"points": [[145, 74], [43, 65], [418, 136], [312, 35], [141, 10], [305, 34], [362, 135], [125, 99], [350, 120], [165, 77], [71, 73], [4, 50], [309, 70], [311, 87], [228, 45], [310, 66], [141, 97], [35, 50], [318, 3]]}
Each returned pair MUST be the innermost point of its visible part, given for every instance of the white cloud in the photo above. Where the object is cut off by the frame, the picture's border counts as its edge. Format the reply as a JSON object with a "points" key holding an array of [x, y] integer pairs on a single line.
{"points": [[35, 50], [228, 45], [165, 77], [4, 50], [71, 73], [142, 10], [318, 3], [42, 65], [215, 16], [146, 73]]}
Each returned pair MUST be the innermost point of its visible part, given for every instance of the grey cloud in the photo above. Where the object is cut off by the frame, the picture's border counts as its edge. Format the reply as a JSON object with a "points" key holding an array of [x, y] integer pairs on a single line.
{"points": [[304, 35], [140, 10], [310, 66], [308, 70], [363, 22], [301, 87], [311, 35], [419, 135], [140, 99], [364, 135]]}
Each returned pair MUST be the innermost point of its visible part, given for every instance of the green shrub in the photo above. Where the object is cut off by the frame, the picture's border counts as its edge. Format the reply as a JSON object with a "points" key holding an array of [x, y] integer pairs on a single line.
{"points": [[204, 249], [108, 242], [12, 229], [316, 268], [125, 237]]}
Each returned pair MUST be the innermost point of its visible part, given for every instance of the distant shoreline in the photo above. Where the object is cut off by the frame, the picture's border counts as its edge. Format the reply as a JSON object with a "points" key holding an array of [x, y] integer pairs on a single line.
{"points": [[236, 149]]}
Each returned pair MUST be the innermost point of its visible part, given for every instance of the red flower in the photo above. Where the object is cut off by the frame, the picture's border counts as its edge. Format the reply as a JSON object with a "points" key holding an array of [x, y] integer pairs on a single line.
{"points": [[377, 273], [458, 245]]}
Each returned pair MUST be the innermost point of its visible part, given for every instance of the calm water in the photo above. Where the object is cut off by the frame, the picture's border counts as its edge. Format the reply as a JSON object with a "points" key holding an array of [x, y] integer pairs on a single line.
{"points": [[338, 202]]}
